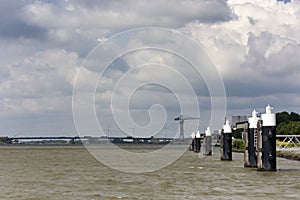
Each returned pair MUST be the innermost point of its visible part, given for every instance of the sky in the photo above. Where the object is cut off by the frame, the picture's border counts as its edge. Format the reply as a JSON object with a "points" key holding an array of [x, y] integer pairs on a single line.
{"points": [[53, 52]]}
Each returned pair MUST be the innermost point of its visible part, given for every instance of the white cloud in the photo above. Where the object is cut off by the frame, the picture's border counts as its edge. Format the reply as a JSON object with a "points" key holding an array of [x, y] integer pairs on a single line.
{"points": [[259, 42], [45, 76], [254, 44]]}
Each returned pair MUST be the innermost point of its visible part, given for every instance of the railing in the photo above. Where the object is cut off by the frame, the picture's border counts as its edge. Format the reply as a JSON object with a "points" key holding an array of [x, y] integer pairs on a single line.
{"points": [[291, 141]]}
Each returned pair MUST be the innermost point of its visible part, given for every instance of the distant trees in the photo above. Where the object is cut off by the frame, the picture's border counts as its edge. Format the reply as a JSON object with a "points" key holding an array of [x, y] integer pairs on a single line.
{"points": [[288, 124], [238, 144], [294, 117], [238, 134]]}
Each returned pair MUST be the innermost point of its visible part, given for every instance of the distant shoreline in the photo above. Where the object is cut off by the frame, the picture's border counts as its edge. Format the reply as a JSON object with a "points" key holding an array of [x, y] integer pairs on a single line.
{"points": [[291, 155]]}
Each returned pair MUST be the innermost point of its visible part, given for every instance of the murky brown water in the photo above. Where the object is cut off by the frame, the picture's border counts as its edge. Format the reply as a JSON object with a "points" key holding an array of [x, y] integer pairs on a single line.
{"points": [[70, 172]]}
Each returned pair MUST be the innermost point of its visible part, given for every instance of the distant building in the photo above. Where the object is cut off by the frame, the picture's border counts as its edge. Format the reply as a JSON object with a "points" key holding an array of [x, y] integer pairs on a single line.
{"points": [[237, 119]]}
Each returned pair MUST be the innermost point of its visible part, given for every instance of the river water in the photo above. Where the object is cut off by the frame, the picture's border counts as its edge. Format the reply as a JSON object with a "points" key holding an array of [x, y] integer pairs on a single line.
{"points": [[70, 172]]}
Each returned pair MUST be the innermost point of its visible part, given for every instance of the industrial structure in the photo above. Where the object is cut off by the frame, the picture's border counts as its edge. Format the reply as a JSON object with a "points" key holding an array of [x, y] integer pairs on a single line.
{"points": [[181, 120]]}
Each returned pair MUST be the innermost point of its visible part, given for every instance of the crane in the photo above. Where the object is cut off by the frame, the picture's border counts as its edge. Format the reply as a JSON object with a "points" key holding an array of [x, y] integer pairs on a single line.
{"points": [[181, 120]]}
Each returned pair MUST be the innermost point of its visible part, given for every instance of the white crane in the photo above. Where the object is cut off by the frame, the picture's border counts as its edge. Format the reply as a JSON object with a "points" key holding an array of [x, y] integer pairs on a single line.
{"points": [[181, 120]]}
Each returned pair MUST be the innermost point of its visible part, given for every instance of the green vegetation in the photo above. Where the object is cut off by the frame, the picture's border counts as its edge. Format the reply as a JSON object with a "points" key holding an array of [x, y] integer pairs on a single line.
{"points": [[290, 128], [287, 144], [238, 133], [238, 144], [3, 140], [288, 124], [293, 155]]}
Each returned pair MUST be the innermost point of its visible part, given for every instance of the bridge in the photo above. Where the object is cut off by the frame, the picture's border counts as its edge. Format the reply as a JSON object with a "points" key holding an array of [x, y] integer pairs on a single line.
{"points": [[100, 139]]}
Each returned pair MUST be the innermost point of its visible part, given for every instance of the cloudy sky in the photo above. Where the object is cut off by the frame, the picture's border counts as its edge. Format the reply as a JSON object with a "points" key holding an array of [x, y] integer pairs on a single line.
{"points": [[46, 50]]}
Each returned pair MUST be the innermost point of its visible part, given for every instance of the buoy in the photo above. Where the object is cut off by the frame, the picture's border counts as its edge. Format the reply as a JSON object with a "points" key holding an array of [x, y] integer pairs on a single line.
{"points": [[208, 149], [266, 141], [226, 142]]}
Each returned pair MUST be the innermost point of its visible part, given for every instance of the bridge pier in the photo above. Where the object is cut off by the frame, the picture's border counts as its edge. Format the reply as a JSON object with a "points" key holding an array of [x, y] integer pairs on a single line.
{"points": [[9, 141], [72, 141]]}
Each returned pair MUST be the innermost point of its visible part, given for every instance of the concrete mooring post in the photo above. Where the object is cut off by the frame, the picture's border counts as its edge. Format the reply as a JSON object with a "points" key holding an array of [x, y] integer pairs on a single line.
{"points": [[245, 137], [266, 141], [226, 142], [208, 149], [198, 142], [192, 145], [250, 145]]}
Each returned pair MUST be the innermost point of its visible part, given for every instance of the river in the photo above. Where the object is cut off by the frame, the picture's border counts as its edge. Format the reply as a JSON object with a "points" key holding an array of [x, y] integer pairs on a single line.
{"points": [[70, 172]]}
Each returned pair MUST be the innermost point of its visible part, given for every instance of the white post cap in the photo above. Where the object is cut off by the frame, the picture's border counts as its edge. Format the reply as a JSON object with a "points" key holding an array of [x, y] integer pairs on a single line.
{"points": [[269, 109], [193, 135], [198, 134], [208, 132], [269, 118], [253, 120], [227, 127]]}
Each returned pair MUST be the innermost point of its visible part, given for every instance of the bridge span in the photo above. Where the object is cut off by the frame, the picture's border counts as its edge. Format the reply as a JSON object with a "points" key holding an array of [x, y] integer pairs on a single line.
{"points": [[100, 139]]}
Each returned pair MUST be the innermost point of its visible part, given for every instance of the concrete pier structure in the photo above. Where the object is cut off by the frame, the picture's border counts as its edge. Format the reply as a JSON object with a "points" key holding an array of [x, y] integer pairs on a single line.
{"points": [[226, 142], [266, 141], [208, 141], [250, 142]]}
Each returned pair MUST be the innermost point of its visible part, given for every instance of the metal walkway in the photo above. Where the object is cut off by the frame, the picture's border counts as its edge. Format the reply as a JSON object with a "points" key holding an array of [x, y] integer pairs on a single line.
{"points": [[289, 142]]}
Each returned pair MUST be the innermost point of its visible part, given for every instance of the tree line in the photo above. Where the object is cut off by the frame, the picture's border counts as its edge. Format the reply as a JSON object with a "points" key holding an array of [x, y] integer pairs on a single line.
{"points": [[288, 123]]}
